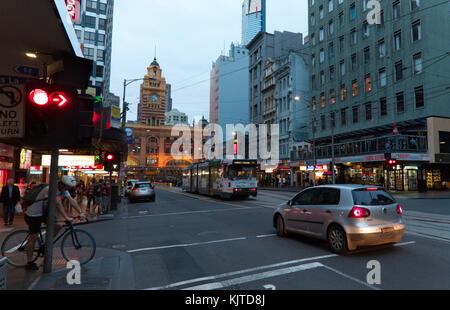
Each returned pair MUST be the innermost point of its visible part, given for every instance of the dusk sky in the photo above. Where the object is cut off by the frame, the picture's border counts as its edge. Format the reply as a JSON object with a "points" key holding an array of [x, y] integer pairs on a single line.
{"points": [[189, 36]]}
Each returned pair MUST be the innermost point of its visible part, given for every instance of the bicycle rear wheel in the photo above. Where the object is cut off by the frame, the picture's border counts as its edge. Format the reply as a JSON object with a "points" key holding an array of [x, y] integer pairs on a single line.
{"points": [[14, 248], [78, 245]]}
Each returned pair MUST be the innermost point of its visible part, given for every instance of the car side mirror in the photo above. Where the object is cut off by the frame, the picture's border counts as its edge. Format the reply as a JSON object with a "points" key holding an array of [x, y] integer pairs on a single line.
{"points": [[289, 203]]}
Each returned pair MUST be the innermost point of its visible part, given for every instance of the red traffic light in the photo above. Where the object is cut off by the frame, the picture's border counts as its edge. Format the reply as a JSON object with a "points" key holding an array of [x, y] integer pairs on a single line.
{"points": [[59, 98], [392, 162], [41, 97], [110, 157]]}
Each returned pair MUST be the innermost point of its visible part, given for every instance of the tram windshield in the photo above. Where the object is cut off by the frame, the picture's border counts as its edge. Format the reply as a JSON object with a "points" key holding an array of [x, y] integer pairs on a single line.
{"points": [[241, 172]]}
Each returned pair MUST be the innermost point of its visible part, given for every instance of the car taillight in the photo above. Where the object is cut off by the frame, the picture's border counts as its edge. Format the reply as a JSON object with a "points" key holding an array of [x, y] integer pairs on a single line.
{"points": [[236, 189], [399, 209], [358, 212], [254, 189]]}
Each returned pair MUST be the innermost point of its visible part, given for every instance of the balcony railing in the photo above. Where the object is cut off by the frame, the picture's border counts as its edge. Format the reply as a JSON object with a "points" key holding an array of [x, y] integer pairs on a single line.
{"points": [[395, 143]]}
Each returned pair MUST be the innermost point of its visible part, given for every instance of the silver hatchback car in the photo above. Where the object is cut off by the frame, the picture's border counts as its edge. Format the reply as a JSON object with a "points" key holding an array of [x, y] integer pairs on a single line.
{"points": [[142, 191], [347, 216]]}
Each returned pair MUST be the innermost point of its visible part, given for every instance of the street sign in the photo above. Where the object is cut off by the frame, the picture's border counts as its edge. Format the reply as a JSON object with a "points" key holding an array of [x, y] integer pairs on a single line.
{"points": [[129, 132], [12, 111], [25, 70]]}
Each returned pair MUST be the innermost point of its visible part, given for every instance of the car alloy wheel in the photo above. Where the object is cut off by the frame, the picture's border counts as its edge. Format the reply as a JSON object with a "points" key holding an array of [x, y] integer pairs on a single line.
{"points": [[337, 239]]}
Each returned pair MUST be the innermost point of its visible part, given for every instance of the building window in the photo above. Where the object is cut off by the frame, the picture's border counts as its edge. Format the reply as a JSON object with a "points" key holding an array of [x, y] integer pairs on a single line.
{"points": [[322, 100], [368, 107], [416, 31], [352, 11], [100, 55], [102, 24], [322, 78], [331, 27], [314, 103], [313, 81], [313, 19], [419, 97], [367, 55], [341, 19], [415, 4], [398, 70], [381, 48], [88, 52], [331, 73], [355, 88], [396, 9], [400, 102], [354, 62], [366, 29], [343, 92], [353, 37], [78, 32], [313, 39], [398, 40], [344, 117], [332, 96], [321, 56], [368, 83], [342, 67], [99, 71], [102, 8], [341, 43], [332, 120], [382, 77], [313, 60], [330, 5], [90, 21], [89, 37], [91, 5], [355, 115], [331, 50], [321, 12], [321, 34], [383, 106], [417, 62], [101, 39], [322, 122]]}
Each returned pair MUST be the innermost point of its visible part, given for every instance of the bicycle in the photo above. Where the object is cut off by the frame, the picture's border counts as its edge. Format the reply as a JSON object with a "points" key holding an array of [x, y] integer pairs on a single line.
{"points": [[77, 244]]}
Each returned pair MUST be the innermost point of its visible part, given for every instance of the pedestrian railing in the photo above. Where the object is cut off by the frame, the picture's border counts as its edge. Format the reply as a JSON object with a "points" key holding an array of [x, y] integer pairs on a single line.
{"points": [[3, 269]]}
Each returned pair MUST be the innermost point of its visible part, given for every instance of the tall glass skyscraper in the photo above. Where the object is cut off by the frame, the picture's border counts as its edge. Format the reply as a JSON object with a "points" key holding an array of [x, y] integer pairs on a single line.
{"points": [[253, 19]]}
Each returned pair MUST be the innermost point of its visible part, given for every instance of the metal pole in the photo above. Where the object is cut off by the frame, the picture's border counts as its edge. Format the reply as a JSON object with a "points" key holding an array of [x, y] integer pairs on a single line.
{"points": [[314, 149], [48, 258], [124, 105]]}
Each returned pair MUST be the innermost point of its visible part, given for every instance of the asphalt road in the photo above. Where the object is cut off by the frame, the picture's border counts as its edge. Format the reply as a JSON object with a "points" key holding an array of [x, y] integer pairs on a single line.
{"points": [[185, 241]]}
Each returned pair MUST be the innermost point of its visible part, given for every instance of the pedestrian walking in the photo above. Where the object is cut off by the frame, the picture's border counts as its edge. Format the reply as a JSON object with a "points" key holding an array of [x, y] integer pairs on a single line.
{"points": [[106, 196], [99, 197], [91, 196], [10, 196]]}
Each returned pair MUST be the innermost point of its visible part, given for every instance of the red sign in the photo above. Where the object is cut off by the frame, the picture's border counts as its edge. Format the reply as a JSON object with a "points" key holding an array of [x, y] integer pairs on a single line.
{"points": [[96, 167], [74, 9]]}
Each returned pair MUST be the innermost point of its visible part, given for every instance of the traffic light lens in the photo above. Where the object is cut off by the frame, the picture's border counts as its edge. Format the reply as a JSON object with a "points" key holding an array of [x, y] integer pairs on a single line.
{"points": [[39, 97], [110, 157], [59, 98]]}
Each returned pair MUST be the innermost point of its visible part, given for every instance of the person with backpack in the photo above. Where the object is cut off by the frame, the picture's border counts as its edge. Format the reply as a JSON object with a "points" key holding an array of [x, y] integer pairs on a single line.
{"points": [[36, 203]]}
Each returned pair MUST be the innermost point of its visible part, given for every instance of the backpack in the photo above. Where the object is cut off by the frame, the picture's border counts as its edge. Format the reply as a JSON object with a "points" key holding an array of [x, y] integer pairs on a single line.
{"points": [[30, 197]]}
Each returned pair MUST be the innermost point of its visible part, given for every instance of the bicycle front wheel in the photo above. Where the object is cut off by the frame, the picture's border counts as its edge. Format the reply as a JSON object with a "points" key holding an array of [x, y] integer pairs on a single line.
{"points": [[78, 245], [14, 248]]}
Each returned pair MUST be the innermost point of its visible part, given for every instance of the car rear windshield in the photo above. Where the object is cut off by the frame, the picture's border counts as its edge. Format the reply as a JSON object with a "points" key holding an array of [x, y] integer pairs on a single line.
{"points": [[143, 185], [365, 197]]}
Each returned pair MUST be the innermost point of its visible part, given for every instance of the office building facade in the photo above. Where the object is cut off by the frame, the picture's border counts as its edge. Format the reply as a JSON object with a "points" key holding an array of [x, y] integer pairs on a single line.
{"points": [[381, 88], [93, 23], [253, 19]]}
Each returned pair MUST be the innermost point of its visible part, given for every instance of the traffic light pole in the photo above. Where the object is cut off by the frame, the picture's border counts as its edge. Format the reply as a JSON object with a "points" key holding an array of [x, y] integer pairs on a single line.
{"points": [[53, 184]]}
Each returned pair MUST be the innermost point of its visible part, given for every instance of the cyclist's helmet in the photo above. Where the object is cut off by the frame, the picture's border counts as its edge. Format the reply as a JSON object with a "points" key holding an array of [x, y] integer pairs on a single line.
{"points": [[68, 181]]}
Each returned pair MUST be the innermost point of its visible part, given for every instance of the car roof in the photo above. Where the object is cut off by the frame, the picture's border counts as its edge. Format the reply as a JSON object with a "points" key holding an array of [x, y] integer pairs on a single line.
{"points": [[346, 186]]}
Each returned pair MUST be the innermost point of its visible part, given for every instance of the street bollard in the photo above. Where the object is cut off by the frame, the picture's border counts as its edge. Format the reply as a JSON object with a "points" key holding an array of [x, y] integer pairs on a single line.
{"points": [[3, 270]]}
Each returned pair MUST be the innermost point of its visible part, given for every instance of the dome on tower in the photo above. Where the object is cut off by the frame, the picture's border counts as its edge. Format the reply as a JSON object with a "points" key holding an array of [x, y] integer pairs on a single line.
{"points": [[154, 63]]}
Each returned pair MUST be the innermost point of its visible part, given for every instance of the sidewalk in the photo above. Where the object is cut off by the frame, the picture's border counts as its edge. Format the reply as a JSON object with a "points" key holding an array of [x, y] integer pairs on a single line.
{"points": [[110, 268]]}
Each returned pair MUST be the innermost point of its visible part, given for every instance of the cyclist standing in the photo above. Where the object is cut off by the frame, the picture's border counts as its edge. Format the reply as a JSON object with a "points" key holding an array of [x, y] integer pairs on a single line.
{"points": [[34, 215]]}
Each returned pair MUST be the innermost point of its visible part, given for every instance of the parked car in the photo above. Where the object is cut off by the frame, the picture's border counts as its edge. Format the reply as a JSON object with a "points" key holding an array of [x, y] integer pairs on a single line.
{"points": [[129, 186], [142, 191], [347, 216]]}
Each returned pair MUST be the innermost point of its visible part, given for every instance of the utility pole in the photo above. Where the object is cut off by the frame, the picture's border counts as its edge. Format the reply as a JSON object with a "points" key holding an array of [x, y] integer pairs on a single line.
{"points": [[314, 148], [48, 255]]}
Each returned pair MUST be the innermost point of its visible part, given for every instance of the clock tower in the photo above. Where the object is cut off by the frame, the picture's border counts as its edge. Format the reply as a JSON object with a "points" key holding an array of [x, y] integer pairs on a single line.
{"points": [[152, 104]]}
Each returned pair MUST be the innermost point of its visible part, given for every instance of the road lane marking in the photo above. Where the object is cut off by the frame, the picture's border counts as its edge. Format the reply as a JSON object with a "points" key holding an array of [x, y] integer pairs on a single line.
{"points": [[350, 277], [265, 236], [185, 245], [187, 212], [234, 273], [255, 277], [425, 235]]}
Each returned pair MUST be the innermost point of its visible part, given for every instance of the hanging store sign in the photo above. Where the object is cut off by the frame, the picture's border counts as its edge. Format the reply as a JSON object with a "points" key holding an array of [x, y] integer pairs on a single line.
{"points": [[70, 160], [74, 9]]}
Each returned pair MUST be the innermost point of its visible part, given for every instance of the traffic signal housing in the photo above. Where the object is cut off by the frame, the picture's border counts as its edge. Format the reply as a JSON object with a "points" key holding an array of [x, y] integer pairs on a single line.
{"points": [[391, 163], [111, 162]]}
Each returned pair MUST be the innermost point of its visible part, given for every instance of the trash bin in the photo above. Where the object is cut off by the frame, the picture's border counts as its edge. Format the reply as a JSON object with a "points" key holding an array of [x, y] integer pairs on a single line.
{"points": [[114, 196], [3, 268]]}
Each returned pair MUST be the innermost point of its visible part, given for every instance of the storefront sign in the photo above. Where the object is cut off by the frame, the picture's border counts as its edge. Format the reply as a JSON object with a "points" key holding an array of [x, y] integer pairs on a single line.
{"points": [[70, 160], [12, 105], [115, 116], [87, 167], [25, 159]]}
